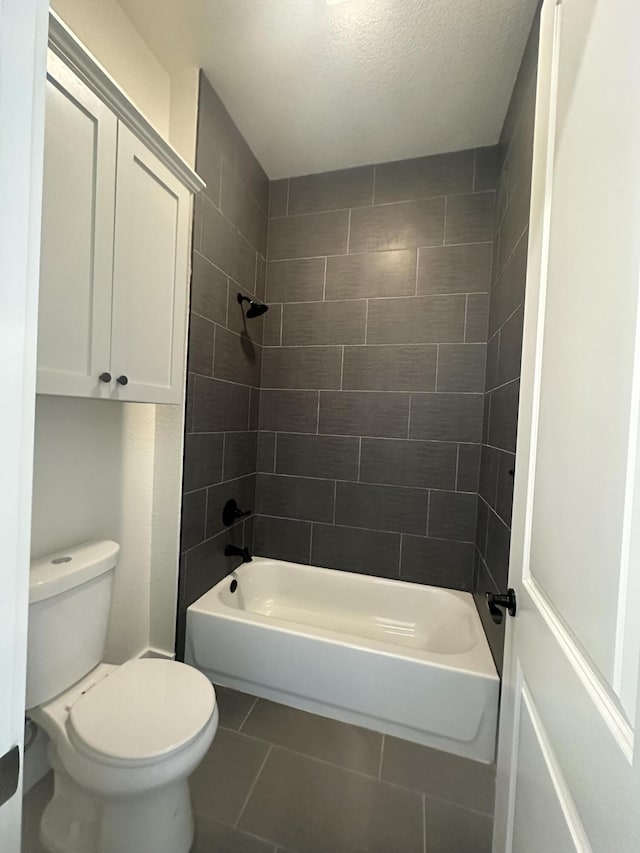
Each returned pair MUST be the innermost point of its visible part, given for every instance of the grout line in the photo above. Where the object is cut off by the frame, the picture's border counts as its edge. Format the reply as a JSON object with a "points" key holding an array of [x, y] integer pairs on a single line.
{"points": [[444, 224], [399, 533], [317, 417], [251, 789], [473, 180], [248, 714], [288, 192], [324, 281], [435, 391], [359, 455], [373, 191], [366, 323], [350, 254], [342, 370], [457, 464], [281, 331], [275, 451], [335, 492], [417, 268], [466, 312], [349, 232], [310, 542], [424, 823], [224, 447], [428, 512], [381, 757]]}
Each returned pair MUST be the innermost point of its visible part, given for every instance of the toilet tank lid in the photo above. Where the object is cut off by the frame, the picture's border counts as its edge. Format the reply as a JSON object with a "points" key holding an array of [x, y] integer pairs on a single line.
{"points": [[55, 573]]}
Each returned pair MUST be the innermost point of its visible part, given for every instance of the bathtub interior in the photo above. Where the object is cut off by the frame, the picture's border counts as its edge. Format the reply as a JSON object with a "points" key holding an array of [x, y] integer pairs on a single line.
{"points": [[429, 619]]}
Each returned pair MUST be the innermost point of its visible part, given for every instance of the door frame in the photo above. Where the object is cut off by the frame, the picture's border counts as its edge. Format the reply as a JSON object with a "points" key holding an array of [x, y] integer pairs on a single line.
{"points": [[23, 44]]}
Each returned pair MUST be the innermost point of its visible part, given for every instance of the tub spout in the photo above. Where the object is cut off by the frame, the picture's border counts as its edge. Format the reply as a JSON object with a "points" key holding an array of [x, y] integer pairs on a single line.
{"points": [[233, 551]]}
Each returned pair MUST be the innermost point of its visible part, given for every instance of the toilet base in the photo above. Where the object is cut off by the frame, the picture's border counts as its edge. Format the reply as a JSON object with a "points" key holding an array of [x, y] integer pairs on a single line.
{"points": [[78, 821]]}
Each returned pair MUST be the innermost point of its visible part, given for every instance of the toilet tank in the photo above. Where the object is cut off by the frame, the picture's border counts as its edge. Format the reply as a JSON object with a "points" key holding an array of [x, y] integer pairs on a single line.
{"points": [[69, 602]]}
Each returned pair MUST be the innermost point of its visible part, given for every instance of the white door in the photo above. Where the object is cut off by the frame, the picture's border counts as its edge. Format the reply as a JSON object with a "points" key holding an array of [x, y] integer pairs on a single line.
{"points": [[23, 40], [569, 747], [74, 334], [150, 277]]}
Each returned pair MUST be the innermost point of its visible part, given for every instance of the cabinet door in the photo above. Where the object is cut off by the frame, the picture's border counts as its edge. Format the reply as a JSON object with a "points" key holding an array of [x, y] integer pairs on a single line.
{"points": [[149, 277], [76, 267]]}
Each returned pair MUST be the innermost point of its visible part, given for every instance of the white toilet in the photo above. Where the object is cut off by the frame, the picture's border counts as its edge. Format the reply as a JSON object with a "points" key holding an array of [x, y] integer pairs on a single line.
{"points": [[124, 739]]}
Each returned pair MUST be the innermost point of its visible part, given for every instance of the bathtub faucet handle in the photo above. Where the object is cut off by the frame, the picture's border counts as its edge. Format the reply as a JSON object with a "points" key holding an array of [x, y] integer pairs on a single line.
{"points": [[231, 513], [496, 601]]}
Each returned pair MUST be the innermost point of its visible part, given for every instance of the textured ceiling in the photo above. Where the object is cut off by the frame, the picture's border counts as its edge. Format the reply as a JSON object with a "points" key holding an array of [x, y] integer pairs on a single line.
{"points": [[314, 86]]}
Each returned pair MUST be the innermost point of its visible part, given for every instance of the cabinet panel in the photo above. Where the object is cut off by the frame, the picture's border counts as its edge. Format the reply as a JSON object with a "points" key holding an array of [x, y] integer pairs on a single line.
{"points": [[74, 324], [149, 277]]}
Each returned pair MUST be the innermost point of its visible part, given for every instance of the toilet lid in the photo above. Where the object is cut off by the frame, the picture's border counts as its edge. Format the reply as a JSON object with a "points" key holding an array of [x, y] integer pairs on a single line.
{"points": [[143, 710]]}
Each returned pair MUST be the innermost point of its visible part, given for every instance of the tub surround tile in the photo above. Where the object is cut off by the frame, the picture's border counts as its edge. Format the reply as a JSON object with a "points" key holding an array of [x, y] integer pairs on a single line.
{"points": [[452, 516], [272, 326], [360, 413], [391, 508], [302, 368], [477, 320], [317, 737], [237, 358], [407, 225], [242, 489], [289, 411], [446, 417], [203, 455], [194, 510], [295, 497], [399, 367], [371, 274], [354, 550], [325, 456], [220, 406], [266, 453], [309, 235], [206, 564], [283, 539], [487, 168], [461, 368], [425, 177], [240, 454], [296, 280], [438, 562], [201, 342], [308, 805], [468, 467], [323, 323], [455, 269], [331, 190], [422, 320], [470, 218], [421, 464]]}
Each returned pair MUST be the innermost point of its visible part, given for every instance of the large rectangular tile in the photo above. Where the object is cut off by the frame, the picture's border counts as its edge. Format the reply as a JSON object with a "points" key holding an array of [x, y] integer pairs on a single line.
{"points": [[477, 319], [283, 539], [208, 290], [219, 406], [408, 225], [266, 452], [364, 413], [251, 173], [392, 367], [272, 326], [192, 522], [289, 411], [371, 274], [468, 467], [419, 320], [487, 166], [203, 453], [224, 246], [300, 280], [242, 490], [301, 367], [240, 207], [470, 218], [455, 269], [498, 543], [278, 197], [439, 774], [206, 564], [510, 353], [200, 352], [309, 235], [437, 562], [504, 496], [295, 497], [318, 737], [452, 515], [236, 358], [332, 457], [422, 464], [451, 829], [239, 454], [208, 165], [503, 416], [214, 837], [489, 465], [305, 804], [425, 177], [233, 706], [461, 368], [508, 291], [447, 417], [324, 323], [352, 549], [215, 122], [331, 190], [220, 785], [495, 633], [390, 508]]}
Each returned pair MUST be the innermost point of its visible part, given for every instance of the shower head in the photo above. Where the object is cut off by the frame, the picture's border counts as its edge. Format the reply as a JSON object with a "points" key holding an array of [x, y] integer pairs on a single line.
{"points": [[256, 309]]}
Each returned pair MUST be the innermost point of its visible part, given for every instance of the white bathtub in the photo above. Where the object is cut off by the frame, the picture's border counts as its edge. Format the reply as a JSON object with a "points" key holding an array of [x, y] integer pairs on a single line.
{"points": [[399, 658]]}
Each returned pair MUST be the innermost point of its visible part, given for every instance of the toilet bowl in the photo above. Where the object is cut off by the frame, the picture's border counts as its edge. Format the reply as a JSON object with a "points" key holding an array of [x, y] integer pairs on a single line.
{"points": [[124, 739]]}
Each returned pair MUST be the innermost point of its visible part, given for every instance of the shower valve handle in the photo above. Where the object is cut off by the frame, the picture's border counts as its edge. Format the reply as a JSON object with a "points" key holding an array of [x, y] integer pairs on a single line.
{"points": [[232, 513]]}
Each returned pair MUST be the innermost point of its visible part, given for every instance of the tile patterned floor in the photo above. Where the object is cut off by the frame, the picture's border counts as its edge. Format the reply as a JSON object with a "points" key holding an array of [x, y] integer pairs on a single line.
{"points": [[279, 780]]}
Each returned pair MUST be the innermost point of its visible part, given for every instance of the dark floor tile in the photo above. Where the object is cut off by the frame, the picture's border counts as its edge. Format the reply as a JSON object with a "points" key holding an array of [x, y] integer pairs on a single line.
{"points": [[233, 706], [221, 784], [303, 804], [451, 829], [439, 774], [318, 737], [283, 539], [214, 837]]}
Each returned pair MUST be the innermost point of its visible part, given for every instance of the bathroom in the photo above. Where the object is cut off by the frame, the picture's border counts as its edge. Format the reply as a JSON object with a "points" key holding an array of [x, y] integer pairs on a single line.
{"points": [[296, 461]]}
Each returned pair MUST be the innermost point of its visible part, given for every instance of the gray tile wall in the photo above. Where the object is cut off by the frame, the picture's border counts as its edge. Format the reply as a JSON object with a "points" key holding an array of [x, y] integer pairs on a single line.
{"points": [[225, 350], [504, 349], [373, 367]]}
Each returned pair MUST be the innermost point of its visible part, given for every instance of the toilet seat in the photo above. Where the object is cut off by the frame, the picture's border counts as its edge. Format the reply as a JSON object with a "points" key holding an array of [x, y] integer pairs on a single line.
{"points": [[145, 711]]}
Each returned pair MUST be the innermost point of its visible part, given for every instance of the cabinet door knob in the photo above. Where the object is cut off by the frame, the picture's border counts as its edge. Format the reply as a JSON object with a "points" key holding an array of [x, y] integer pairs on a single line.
{"points": [[122, 380], [105, 377]]}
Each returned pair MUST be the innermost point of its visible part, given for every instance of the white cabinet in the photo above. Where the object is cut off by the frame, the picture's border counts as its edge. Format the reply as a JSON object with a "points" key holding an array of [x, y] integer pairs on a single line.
{"points": [[115, 255]]}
